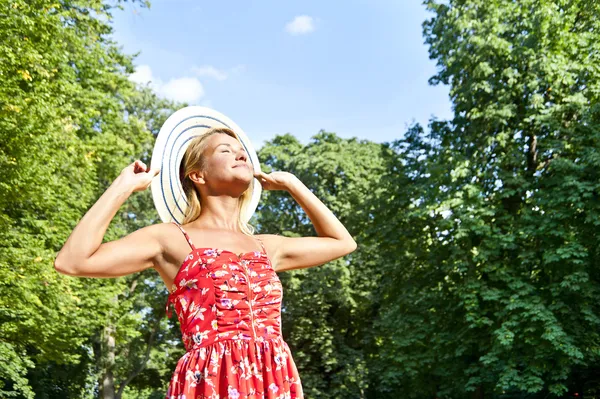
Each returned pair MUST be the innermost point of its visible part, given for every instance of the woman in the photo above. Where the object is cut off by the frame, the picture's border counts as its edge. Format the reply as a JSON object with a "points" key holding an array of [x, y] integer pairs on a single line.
{"points": [[226, 293]]}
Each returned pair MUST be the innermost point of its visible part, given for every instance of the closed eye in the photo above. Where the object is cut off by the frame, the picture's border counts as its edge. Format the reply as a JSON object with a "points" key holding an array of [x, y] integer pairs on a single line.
{"points": [[228, 149]]}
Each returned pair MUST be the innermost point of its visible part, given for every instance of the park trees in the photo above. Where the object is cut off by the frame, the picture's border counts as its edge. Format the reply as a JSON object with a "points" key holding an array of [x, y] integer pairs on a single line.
{"points": [[70, 120], [497, 260]]}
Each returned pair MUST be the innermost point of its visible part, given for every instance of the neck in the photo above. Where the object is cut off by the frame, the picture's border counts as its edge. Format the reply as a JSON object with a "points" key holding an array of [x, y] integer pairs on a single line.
{"points": [[219, 213]]}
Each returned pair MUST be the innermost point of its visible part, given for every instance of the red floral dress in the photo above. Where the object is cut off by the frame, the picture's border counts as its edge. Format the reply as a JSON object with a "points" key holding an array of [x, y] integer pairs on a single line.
{"points": [[229, 311]]}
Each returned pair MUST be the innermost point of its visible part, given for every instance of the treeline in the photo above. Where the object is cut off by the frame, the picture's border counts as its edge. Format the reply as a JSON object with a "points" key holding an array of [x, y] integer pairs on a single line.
{"points": [[476, 274]]}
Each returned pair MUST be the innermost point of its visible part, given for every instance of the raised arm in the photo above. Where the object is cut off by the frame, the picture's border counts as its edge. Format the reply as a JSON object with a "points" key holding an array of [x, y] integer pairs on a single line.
{"points": [[84, 254], [333, 240]]}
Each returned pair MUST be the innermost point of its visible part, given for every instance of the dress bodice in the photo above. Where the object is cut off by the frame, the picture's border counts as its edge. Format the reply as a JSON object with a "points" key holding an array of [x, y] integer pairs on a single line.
{"points": [[219, 295]]}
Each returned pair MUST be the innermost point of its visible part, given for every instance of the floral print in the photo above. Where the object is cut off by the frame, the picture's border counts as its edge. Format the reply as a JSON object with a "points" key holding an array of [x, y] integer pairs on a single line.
{"points": [[229, 311]]}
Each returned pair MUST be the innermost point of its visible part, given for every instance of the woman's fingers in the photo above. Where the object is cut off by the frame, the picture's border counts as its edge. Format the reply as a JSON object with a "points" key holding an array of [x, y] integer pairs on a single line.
{"points": [[139, 166], [261, 174], [263, 179]]}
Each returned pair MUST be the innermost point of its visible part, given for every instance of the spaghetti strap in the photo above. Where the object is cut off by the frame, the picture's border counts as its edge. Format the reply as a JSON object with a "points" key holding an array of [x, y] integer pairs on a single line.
{"points": [[169, 299], [186, 235], [261, 245]]}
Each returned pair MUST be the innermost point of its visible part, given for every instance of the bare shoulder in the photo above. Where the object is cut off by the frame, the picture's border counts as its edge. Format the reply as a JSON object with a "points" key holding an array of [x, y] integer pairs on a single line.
{"points": [[271, 241], [268, 236], [272, 244], [164, 233], [154, 236], [157, 236], [154, 232]]}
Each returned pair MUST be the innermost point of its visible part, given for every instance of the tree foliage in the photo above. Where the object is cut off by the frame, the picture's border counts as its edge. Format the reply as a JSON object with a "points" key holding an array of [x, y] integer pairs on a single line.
{"points": [[327, 310], [476, 269], [497, 257], [69, 122]]}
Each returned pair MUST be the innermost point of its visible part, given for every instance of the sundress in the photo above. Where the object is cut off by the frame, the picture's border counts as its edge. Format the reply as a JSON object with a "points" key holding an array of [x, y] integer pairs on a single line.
{"points": [[229, 311]]}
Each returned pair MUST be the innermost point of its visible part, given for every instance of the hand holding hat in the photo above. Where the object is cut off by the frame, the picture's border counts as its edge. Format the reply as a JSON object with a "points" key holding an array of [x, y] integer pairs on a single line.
{"points": [[275, 180], [137, 176]]}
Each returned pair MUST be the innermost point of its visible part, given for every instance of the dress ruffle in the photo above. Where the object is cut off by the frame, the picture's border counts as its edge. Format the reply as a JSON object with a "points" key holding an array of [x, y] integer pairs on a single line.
{"points": [[241, 369]]}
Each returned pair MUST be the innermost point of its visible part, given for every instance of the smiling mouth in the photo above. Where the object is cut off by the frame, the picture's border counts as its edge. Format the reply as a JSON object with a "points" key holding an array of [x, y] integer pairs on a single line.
{"points": [[242, 165]]}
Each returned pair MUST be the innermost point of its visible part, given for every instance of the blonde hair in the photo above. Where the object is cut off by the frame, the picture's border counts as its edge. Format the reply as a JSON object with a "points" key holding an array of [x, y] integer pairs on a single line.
{"points": [[193, 160]]}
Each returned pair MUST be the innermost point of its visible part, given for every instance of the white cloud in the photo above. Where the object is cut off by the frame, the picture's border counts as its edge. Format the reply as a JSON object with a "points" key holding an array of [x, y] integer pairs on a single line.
{"points": [[210, 71], [185, 89], [300, 25], [142, 75]]}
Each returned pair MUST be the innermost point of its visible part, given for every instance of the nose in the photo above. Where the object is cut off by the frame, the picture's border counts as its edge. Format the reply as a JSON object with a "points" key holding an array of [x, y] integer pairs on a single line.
{"points": [[242, 155]]}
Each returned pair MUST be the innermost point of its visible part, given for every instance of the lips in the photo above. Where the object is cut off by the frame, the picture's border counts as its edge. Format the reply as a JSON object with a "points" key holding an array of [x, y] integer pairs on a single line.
{"points": [[245, 165]]}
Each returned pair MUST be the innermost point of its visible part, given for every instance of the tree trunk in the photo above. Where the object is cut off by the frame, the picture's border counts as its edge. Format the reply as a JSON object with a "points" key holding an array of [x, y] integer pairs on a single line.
{"points": [[108, 344], [107, 356], [146, 357], [478, 394]]}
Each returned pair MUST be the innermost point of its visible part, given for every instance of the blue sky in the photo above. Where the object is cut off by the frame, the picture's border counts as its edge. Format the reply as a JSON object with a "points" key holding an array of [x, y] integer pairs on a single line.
{"points": [[357, 68]]}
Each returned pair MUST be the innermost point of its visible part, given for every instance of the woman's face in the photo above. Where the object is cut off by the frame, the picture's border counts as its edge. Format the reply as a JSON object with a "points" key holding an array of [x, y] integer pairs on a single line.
{"points": [[227, 163]]}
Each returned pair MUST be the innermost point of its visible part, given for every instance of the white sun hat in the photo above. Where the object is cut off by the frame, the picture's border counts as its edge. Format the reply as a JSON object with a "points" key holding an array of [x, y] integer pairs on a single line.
{"points": [[172, 141]]}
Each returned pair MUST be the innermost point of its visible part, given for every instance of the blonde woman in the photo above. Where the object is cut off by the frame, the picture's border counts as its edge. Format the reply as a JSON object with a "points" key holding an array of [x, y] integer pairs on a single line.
{"points": [[221, 276]]}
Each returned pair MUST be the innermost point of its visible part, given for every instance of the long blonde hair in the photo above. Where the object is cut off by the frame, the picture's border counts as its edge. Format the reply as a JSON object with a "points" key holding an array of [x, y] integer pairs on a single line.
{"points": [[194, 160]]}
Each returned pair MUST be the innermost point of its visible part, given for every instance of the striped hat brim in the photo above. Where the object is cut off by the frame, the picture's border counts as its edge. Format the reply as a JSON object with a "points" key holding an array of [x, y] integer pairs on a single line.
{"points": [[170, 146]]}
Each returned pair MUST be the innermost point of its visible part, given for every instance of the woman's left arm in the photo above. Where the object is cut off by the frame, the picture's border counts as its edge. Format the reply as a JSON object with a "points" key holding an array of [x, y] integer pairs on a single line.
{"points": [[333, 240]]}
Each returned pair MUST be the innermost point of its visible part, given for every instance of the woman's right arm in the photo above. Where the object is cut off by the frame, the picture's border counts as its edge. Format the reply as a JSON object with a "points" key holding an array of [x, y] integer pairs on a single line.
{"points": [[84, 254]]}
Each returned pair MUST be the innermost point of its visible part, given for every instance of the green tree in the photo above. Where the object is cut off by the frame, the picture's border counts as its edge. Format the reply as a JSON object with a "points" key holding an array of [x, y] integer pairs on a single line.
{"points": [[327, 310], [493, 288], [69, 122], [138, 347]]}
